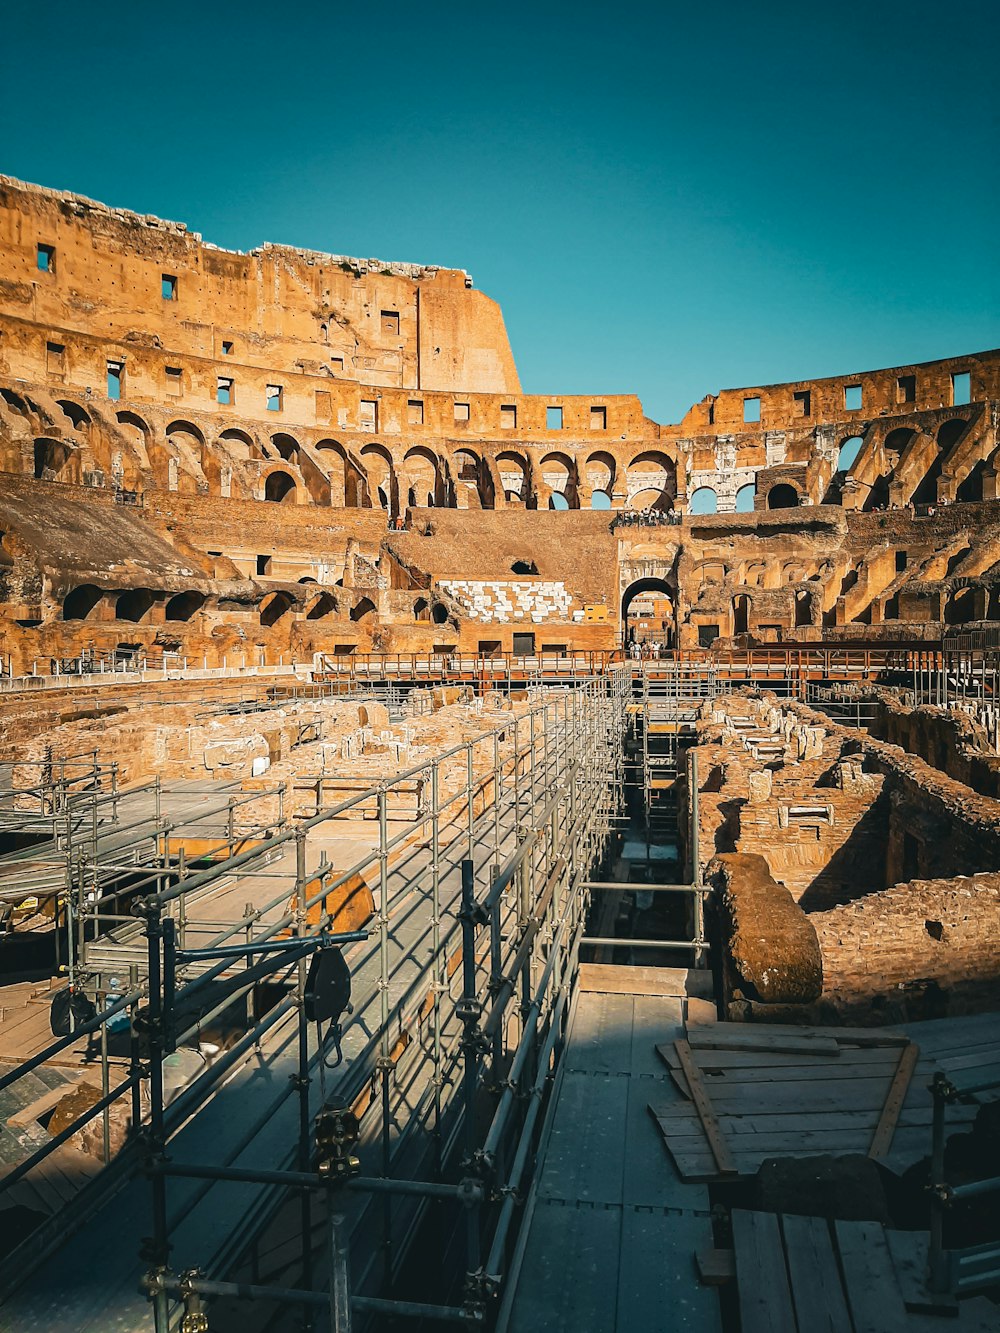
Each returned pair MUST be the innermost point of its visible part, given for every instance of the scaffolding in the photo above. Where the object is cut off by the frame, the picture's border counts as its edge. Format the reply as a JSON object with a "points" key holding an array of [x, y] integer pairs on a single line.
{"points": [[461, 985]]}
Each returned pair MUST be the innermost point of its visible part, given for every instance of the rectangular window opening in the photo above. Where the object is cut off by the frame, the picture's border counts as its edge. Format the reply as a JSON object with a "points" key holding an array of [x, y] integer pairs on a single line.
{"points": [[906, 389], [337, 365], [461, 411], [168, 286], [263, 565], [598, 418], [55, 361], [415, 412], [901, 559], [803, 402], [368, 415], [390, 322], [852, 397], [553, 418], [175, 380], [115, 375], [751, 409], [275, 397], [523, 645], [961, 388], [508, 416], [46, 258], [227, 348], [225, 391]]}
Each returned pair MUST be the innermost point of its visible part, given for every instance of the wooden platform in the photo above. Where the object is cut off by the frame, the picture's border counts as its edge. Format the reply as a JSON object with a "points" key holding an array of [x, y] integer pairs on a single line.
{"points": [[808, 1275], [753, 1092]]}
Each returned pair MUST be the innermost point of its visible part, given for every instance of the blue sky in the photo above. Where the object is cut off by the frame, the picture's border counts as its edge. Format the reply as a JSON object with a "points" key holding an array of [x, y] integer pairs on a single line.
{"points": [[666, 199]]}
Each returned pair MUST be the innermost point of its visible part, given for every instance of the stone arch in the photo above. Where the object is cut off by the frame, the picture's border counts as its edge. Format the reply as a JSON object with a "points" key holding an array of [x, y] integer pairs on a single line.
{"points": [[347, 482], [949, 433], [783, 496], [273, 607], [600, 471], [514, 471], [280, 488], [803, 609], [741, 613], [422, 609], [558, 471], [960, 606], [286, 446], [703, 501], [754, 575], [184, 605], [847, 454], [362, 609], [56, 460], [745, 497], [471, 481], [135, 604], [181, 428], [383, 486], [643, 585], [422, 469], [82, 602], [78, 416], [240, 444], [439, 613], [324, 605], [651, 480]]}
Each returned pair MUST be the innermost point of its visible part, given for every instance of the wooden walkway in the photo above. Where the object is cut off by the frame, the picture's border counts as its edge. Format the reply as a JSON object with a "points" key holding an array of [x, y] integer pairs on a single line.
{"points": [[611, 1229]]}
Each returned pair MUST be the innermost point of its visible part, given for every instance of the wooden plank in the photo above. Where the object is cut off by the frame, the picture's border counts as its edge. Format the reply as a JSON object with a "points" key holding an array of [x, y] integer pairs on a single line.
{"points": [[870, 1281], [909, 1251], [829, 1094], [703, 1105], [817, 1293], [776, 1060], [851, 1036], [761, 1277], [715, 1267], [918, 1117], [886, 1127], [750, 1038], [615, 980], [883, 1067]]}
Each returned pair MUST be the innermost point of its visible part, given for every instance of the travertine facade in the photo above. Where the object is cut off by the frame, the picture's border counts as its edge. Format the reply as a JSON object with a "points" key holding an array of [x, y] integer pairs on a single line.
{"points": [[209, 454]]}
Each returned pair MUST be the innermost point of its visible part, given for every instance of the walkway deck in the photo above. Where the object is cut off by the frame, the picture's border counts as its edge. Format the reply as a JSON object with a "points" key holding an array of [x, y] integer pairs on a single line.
{"points": [[613, 1229]]}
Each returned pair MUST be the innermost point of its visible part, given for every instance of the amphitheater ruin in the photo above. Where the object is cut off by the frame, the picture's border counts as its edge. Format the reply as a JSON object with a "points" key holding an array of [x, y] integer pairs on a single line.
{"points": [[479, 858]]}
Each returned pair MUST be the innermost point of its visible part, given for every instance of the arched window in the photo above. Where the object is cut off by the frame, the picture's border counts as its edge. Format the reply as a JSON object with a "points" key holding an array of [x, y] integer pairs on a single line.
{"points": [[280, 488], [745, 498], [81, 602], [849, 451], [704, 501], [134, 605], [600, 500], [558, 501], [183, 606], [782, 496]]}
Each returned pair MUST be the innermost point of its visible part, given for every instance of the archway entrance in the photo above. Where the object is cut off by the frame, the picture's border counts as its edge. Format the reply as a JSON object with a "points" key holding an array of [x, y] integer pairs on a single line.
{"points": [[648, 614]]}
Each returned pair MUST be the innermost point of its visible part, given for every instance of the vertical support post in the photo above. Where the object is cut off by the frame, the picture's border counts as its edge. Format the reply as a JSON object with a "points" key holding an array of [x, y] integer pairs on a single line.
{"points": [[469, 1014], [384, 1064], [160, 1249], [340, 1284], [938, 1264], [440, 962], [302, 1074]]}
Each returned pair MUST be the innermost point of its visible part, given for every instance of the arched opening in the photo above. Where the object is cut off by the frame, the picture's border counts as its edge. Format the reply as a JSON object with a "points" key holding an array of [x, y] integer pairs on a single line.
{"points": [[803, 609], [287, 446], [183, 606], [513, 471], [241, 445], [135, 605], [782, 496], [362, 609], [324, 605], [50, 459], [439, 613], [524, 567], [960, 607], [274, 607], [648, 613], [745, 498], [703, 501], [82, 601], [600, 500], [971, 487], [651, 481], [280, 488], [741, 614], [558, 472], [421, 609], [599, 470], [380, 477], [848, 454], [949, 433], [421, 468], [77, 415]]}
